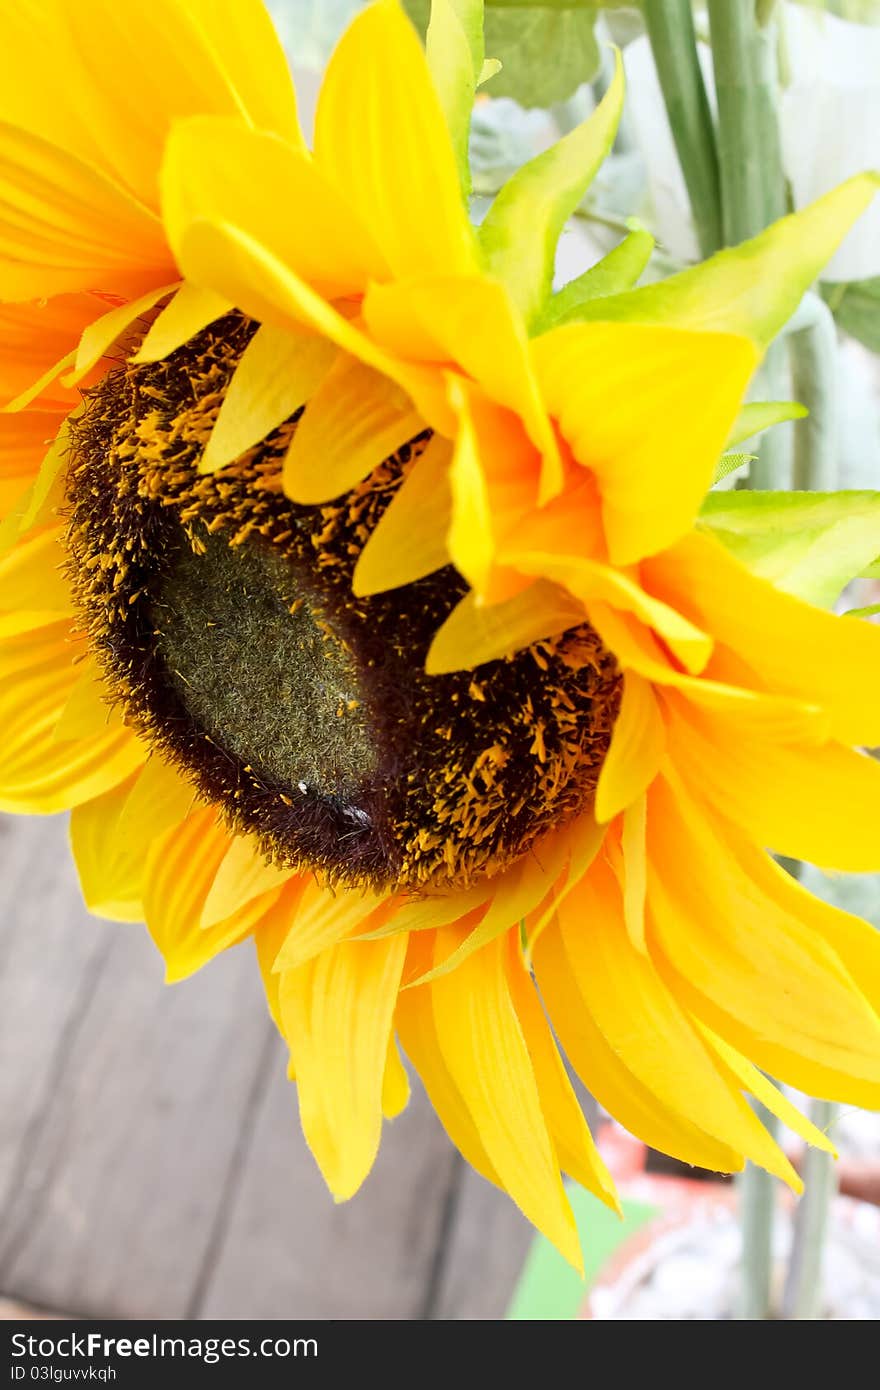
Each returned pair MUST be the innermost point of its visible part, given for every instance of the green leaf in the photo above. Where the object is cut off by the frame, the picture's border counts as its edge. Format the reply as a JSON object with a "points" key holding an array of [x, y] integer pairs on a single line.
{"points": [[810, 544], [729, 463], [454, 49], [753, 288], [545, 51], [761, 415], [522, 227], [856, 307], [617, 271]]}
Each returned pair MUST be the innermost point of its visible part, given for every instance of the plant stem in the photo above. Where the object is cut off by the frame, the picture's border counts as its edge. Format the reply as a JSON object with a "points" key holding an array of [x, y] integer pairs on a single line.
{"points": [[753, 188], [753, 191], [802, 1299], [670, 26], [757, 1199], [812, 347]]}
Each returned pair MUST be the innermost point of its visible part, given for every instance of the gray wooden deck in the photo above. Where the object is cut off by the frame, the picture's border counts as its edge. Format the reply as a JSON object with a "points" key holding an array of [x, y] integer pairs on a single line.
{"points": [[151, 1163]]}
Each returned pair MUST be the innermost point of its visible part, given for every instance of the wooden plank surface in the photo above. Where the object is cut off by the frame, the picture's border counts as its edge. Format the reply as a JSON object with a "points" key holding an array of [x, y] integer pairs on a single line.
{"points": [[151, 1162]]}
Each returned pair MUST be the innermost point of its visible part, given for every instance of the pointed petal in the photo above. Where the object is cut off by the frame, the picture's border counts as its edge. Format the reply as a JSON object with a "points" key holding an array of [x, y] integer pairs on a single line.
{"points": [[578, 1155], [180, 869], [380, 134], [609, 384], [395, 1083], [100, 336], [792, 648], [38, 773], [648, 1030], [637, 747], [474, 633], [410, 539], [484, 1049], [474, 324], [758, 976], [790, 796], [188, 311], [278, 372], [355, 419], [243, 875], [110, 871], [24, 441], [337, 1013], [323, 918], [602, 1070]]}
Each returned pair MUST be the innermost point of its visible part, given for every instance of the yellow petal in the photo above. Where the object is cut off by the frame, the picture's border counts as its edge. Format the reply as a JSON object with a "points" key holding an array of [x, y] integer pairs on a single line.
{"points": [[597, 583], [323, 918], [24, 441], [159, 799], [337, 1014], [811, 802], [472, 323], [217, 56], [578, 1155], [111, 870], [65, 226], [380, 134], [278, 372], [618, 391], [410, 539], [180, 869], [757, 975], [647, 1029], [35, 337], [243, 875], [474, 633], [637, 747], [770, 1096], [238, 266], [792, 648], [355, 419], [39, 774], [188, 311], [283, 201], [86, 713], [604, 1072], [414, 1020], [100, 336], [486, 1054], [395, 1083], [31, 578]]}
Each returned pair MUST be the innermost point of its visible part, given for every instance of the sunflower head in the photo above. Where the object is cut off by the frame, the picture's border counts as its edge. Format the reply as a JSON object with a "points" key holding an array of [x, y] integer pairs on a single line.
{"points": [[228, 630]]}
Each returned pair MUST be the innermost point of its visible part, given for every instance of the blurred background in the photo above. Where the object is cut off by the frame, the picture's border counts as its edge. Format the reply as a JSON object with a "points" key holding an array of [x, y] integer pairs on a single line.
{"points": [[151, 1163]]}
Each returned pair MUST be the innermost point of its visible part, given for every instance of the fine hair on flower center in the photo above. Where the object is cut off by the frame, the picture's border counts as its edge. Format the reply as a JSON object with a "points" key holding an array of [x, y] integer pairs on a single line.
{"points": [[224, 620]]}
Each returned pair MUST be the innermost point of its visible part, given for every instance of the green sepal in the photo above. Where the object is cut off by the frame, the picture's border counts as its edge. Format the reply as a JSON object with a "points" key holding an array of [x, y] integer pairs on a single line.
{"points": [[855, 305], [617, 271], [454, 49], [762, 415], [810, 544], [522, 227], [729, 463], [754, 288]]}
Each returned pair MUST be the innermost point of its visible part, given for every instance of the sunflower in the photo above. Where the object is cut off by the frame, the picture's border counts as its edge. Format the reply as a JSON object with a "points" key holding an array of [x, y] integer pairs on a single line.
{"points": [[361, 610]]}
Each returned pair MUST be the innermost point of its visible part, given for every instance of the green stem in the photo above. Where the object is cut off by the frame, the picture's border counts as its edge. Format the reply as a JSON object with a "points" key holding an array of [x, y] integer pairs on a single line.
{"points": [[772, 467], [670, 26], [753, 191], [757, 1200], [802, 1299], [812, 347]]}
